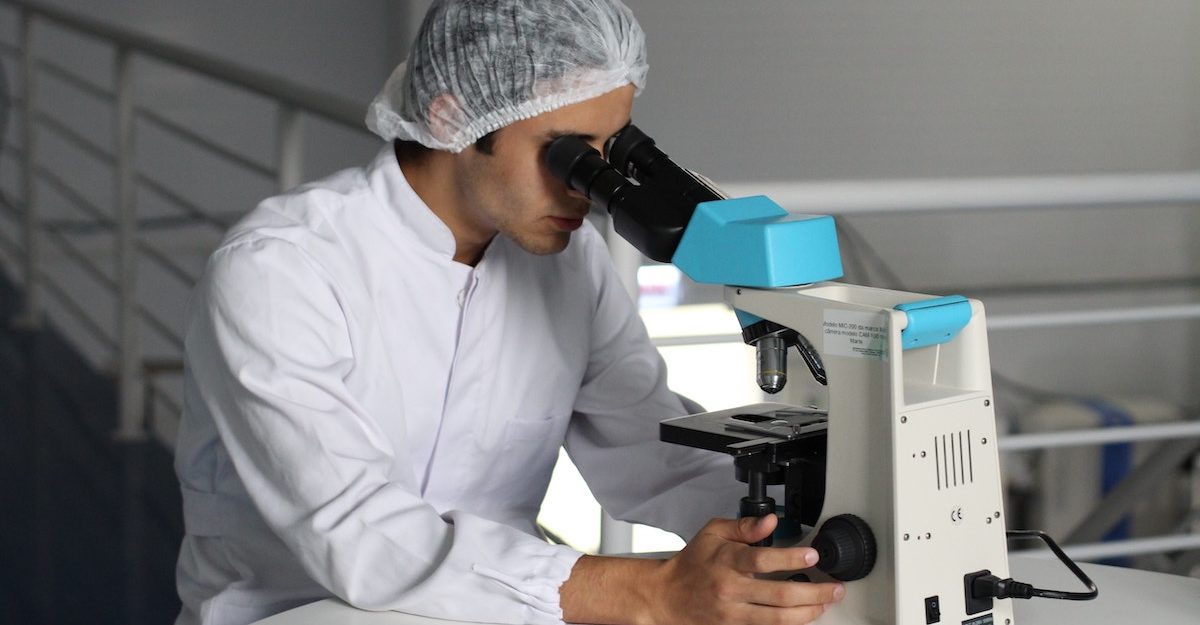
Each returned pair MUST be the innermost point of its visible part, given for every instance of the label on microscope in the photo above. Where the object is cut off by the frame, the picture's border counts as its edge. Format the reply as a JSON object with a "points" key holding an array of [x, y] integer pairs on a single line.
{"points": [[855, 334]]}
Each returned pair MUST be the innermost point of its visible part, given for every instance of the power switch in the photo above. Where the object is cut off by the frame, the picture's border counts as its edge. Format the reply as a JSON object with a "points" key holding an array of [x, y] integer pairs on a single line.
{"points": [[933, 610]]}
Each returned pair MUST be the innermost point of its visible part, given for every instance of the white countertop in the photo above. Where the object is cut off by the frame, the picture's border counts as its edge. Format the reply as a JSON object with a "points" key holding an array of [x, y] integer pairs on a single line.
{"points": [[1127, 596]]}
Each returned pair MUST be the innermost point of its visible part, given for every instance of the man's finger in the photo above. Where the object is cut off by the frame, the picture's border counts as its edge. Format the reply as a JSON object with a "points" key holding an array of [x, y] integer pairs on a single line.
{"points": [[747, 530], [764, 615], [786, 594], [772, 559], [754, 529]]}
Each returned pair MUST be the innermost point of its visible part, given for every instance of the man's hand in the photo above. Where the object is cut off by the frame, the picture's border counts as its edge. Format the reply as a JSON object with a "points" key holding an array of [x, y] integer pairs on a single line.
{"points": [[710, 582]]}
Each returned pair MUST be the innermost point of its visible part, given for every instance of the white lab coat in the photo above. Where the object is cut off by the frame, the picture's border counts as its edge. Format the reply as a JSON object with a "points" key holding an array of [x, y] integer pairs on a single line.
{"points": [[366, 418]]}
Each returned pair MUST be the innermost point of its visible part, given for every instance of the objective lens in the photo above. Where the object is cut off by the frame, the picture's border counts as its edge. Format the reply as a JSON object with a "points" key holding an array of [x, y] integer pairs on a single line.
{"points": [[772, 364]]}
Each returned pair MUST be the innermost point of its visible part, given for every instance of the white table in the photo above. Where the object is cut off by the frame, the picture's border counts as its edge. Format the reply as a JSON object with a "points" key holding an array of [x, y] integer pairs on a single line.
{"points": [[1127, 597]]}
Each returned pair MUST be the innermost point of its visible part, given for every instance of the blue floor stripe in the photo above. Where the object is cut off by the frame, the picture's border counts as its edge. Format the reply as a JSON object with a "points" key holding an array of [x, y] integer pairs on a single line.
{"points": [[89, 528]]}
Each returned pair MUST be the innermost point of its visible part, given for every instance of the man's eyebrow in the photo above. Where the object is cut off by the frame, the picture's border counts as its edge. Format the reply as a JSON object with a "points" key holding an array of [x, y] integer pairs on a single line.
{"points": [[554, 134]]}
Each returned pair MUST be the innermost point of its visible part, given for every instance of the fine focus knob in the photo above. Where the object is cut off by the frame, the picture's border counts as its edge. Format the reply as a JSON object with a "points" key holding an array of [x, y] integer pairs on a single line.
{"points": [[846, 547]]}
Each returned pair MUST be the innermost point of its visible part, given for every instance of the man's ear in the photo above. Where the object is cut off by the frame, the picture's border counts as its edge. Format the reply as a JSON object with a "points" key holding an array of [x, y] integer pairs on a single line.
{"points": [[445, 118]]}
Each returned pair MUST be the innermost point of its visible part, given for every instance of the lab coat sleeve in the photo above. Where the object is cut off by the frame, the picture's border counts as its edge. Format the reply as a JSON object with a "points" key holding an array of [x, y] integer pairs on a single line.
{"points": [[269, 347], [613, 436]]}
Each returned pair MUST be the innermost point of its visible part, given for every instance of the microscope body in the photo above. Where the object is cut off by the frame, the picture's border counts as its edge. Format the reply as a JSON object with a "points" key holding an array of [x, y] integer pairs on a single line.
{"points": [[910, 448], [900, 474]]}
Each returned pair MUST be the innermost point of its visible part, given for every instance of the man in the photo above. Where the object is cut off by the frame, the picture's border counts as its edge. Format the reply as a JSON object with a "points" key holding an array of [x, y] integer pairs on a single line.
{"points": [[381, 366]]}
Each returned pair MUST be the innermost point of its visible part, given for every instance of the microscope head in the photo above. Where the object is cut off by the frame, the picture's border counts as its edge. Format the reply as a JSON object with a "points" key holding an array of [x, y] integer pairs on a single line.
{"points": [[673, 215]]}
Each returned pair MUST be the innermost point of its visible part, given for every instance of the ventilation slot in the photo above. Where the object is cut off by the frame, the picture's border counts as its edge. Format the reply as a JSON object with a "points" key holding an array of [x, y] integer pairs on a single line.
{"points": [[953, 459]]}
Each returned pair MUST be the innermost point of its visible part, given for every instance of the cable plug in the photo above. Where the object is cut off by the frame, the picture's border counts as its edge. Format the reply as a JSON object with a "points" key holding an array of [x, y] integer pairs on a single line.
{"points": [[987, 586]]}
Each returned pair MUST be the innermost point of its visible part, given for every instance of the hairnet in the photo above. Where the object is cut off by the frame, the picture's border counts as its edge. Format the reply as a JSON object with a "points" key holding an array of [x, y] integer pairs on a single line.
{"points": [[479, 65]]}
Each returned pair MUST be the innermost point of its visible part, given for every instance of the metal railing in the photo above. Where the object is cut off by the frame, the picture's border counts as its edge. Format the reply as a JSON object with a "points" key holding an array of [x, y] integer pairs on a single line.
{"points": [[136, 375], [136, 383]]}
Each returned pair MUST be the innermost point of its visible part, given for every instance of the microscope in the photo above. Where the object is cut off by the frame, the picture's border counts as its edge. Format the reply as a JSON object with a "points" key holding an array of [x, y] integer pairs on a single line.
{"points": [[897, 483]]}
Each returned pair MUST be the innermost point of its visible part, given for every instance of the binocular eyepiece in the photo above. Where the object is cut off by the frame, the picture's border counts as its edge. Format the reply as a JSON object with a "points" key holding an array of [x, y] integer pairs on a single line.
{"points": [[651, 201], [650, 198]]}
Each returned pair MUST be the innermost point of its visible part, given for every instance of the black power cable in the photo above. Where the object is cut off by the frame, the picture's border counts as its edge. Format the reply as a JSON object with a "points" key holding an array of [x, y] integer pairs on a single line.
{"points": [[990, 586]]}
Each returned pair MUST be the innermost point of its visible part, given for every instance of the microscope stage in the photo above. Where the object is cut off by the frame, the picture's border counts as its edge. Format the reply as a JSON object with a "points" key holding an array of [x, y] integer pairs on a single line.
{"points": [[747, 430]]}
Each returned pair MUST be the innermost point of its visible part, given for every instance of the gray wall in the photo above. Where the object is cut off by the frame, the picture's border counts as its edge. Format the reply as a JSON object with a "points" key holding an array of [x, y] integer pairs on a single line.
{"points": [[343, 47], [813, 90], [785, 90], [782, 90]]}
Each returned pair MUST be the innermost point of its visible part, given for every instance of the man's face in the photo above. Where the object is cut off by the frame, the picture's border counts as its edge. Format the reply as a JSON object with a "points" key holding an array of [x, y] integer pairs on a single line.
{"points": [[512, 192]]}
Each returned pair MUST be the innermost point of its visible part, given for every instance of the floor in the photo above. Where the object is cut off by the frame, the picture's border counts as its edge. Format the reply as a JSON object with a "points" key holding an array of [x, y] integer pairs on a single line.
{"points": [[89, 527]]}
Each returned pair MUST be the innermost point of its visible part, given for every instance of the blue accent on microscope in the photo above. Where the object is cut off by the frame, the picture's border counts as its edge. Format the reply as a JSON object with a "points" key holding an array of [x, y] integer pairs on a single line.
{"points": [[745, 318], [934, 321], [754, 242]]}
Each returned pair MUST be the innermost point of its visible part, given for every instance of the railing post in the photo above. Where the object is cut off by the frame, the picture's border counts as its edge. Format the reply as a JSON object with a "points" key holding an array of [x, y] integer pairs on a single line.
{"points": [[31, 308], [129, 374], [291, 147], [615, 536]]}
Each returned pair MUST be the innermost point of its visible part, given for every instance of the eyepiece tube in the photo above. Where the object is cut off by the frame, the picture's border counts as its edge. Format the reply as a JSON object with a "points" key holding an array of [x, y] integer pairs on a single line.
{"points": [[579, 165], [636, 156], [651, 215], [628, 141]]}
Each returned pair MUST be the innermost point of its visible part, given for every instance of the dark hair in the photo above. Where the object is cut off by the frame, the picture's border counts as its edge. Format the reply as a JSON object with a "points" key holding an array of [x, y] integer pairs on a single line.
{"points": [[410, 151], [486, 143]]}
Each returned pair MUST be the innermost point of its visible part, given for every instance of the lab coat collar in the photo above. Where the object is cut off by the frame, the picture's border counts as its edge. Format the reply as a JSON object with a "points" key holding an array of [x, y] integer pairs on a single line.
{"points": [[388, 183]]}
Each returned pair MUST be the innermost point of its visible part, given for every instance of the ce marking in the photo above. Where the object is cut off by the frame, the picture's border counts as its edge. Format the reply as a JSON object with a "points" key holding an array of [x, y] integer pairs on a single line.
{"points": [[956, 516]]}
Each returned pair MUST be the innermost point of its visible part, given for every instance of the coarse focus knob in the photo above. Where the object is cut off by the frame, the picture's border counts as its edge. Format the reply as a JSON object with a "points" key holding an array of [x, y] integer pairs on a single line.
{"points": [[846, 547]]}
